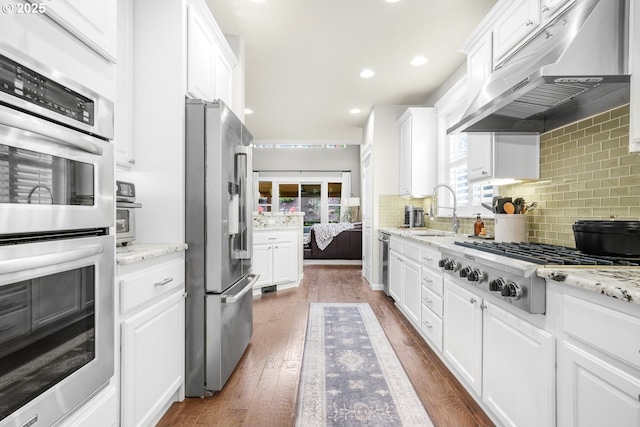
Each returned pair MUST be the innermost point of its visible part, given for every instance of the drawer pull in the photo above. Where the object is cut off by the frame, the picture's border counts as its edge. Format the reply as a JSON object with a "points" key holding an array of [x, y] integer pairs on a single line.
{"points": [[273, 238], [163, 282], [6, 327], [427, 324], [427, 259], [427, 300], [427, 280]]}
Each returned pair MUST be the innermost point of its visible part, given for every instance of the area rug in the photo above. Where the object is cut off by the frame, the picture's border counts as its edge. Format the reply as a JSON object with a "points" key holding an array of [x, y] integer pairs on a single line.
{"points": [[351, 375]]}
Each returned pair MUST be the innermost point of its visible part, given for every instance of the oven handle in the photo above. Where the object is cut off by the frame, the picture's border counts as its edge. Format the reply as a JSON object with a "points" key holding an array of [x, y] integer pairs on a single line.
{"points": [[33, 262], [52, 132]]}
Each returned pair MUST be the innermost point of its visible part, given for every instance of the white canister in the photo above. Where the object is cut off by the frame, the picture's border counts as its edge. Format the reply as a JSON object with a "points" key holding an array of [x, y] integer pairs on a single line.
{"points": [[510, 228]]}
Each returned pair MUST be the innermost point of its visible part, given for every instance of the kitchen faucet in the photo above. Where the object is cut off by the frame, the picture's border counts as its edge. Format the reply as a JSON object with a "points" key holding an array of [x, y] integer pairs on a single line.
{"points": [[455, 221]]}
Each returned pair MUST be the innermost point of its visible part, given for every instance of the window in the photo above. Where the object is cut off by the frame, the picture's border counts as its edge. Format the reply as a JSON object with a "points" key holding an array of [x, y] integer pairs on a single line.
{"points": [[319, 198], [452, 160]]}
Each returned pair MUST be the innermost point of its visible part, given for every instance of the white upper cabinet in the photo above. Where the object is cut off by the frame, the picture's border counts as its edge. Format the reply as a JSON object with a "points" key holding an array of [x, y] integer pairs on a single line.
{"points": [[479, 65], [210, 60], [520, 19], [634, 46], [418, 141], [93, 22], [551, 8], [501, 156]]}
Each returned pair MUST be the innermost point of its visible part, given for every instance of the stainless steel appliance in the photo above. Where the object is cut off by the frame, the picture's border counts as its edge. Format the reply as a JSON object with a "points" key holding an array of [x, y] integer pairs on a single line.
{"points": [[413, 216], [507, 271], [575, 67], [219, 234], [383, 251], [126, 212], [56, 254]]}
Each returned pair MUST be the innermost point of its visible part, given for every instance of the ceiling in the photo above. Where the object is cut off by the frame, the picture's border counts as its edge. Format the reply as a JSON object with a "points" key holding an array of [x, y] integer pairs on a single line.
{"points": [[303, 59]]}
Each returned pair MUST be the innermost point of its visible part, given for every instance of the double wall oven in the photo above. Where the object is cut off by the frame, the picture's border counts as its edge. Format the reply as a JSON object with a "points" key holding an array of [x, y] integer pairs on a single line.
{"points": [[56, 250]]}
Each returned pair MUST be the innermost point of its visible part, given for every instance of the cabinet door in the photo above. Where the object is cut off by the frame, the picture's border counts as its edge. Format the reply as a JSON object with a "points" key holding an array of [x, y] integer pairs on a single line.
{"points": [[405, 156], [284, 263], [94, 22], [478, 66], [462, 341], [412, 289], [479, 157], [518, 21], [201, 58], [152, 364], [551, 8], [224, 74], [594, 393], [261, 264], [368, 263], [518, 382], [395, 276]]}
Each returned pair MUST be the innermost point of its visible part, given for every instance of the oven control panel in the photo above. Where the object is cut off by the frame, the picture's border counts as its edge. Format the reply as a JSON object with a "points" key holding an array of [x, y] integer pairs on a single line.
{"points": [[526, 293]]}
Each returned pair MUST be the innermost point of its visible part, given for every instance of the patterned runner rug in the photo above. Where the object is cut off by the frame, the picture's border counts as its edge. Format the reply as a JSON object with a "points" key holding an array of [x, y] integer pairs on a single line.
{"points": [[351, 375]]}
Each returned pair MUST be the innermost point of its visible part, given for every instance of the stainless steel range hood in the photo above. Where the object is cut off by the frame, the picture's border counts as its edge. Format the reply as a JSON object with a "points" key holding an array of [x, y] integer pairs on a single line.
{"points": [[575, 67]]}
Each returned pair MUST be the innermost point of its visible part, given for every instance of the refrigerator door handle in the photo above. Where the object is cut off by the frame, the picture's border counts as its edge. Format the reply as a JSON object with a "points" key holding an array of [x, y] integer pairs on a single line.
{"points": [[236, 296], [242, 154]]}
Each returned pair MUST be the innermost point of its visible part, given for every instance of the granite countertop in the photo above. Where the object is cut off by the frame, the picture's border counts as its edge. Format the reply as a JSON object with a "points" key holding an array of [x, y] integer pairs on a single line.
{"points": [[622, 283], [278, 227], [136, 252]]}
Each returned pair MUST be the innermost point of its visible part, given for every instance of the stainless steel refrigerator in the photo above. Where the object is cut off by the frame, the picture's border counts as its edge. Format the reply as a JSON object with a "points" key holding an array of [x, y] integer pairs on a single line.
{"points": [[218, 231]]}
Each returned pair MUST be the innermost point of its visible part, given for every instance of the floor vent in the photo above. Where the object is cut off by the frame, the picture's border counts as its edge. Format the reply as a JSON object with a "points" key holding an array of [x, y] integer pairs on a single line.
{"points": [[269, 289]]}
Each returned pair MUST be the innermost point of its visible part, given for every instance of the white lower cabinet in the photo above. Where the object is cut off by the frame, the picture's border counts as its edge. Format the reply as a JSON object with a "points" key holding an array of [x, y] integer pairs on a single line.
{"points": [[463, 333], [404, 278], [507, 361], [276, 257], [518, 359], [598, 359], [395, 276], [152, 338], [411, 290]]}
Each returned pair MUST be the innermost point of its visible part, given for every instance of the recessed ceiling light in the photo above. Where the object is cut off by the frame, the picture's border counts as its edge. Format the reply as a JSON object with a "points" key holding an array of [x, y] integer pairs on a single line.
{"points": [[367, 73], [419, 60], [392, 1], [258, 1], [248, 111], [354, 111]]}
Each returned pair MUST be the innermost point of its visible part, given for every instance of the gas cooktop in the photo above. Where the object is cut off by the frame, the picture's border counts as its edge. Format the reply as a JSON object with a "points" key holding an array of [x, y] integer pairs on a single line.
{"points": [[543, 254]]}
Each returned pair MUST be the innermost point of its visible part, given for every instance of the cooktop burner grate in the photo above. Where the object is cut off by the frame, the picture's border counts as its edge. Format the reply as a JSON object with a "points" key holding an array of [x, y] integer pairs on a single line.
{"points": [[543, 254]]}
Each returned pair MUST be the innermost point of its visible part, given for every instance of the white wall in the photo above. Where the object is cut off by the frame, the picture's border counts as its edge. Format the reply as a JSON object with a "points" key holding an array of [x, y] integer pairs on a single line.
{"points": [[310, 160]]}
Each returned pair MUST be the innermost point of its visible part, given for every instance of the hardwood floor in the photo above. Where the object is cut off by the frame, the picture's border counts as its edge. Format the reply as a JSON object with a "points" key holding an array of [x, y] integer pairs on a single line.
{"points": [[263, 389]]}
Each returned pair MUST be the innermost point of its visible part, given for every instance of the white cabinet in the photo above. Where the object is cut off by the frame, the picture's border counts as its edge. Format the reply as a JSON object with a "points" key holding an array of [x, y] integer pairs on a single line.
{"points": [[123, 120], [518, 376], [152, 333], [93, 22], [479, 65], [404, 278], [210, 60], [634, 65], [275, 257], [503, 156], [462, 344], [418, 140], [395, 276], [517, 21], [506, 360], [551, 8], [598, 372], [431, 297]]}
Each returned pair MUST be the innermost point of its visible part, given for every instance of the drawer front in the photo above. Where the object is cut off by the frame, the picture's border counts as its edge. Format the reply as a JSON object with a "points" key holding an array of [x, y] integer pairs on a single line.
{"points": [[145, 286], [13, 325], [395, 244], [433, 281], [432, 301], [266, 237], [612, 332], [411, 251], [429, 257], [431, 327]]}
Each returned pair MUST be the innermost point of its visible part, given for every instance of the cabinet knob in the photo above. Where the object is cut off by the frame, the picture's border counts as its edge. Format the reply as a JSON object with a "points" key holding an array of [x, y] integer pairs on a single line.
{"points": [[472, 300], [132, 161], [528, 23], [483, 307], [545, 8], [485, 173]]}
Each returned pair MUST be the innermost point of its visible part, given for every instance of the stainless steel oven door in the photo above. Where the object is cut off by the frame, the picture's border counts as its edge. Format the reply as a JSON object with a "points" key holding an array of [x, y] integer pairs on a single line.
{"points": [[51, 177], [56, 326]]}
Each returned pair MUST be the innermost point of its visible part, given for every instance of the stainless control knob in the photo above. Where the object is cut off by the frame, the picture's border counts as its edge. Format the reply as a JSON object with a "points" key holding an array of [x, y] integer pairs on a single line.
{"points": [[475, 276], [496, 285], [442, 262], [464, 272], [451, 265], [511, 290]]}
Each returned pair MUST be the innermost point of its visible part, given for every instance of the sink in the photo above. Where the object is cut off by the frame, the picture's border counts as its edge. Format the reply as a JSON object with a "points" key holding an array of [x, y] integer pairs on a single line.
{"points": [[429, 234]]}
